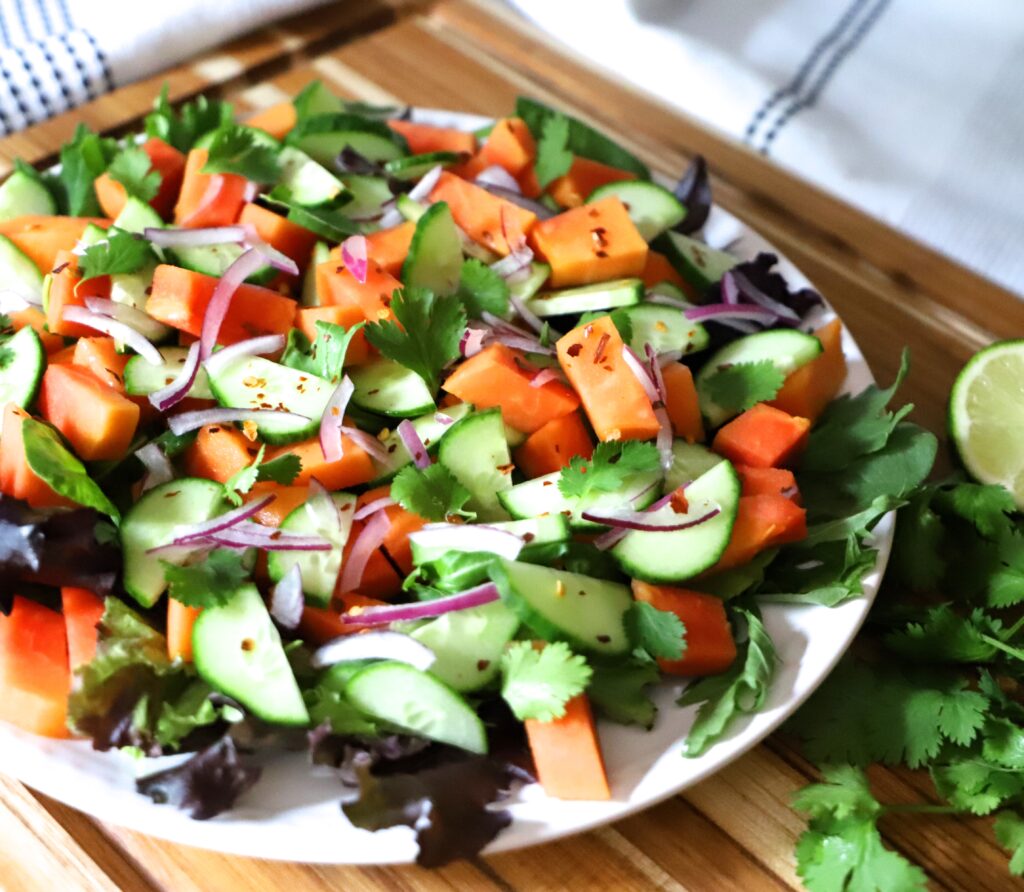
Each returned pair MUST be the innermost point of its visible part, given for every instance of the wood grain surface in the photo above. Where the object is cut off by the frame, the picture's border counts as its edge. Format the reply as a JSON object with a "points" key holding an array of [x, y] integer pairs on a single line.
{"points": [[734, 830]]}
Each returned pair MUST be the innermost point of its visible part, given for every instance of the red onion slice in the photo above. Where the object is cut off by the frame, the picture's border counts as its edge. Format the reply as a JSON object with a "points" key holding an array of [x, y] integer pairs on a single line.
{"points": [[373, 507], [117, 330], [668, 357], [271, 255], [190, 421], [252, 347], [413, 444], [214, 187], [496, 175], [523, 343], [221, 522], [317, 491], [636, 366], [730, 290], [380, 645], [443, 419], [721, 312], [472, 341], [391, 218], [755, 295], [541, 211], [644, 521], [244, 266], [367, 442], [426, 184], [655, 372], [353, 255], [333, 420], [543, 377], [376, 616], [194, 238], [175, 392], [141, 321], [252, 535], [287, 600], [370, 538], [664, 439], [653, 297], [469, 537], [158, 466]]}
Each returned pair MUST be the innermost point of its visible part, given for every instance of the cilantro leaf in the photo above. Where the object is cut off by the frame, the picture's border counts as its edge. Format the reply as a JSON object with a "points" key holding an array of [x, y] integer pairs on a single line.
{"points": [[618, 690], [481, 290], [610, 466], [325, 357], [119, 252], [238, 149], [738, 387], [943, 635], [211, 583], [244, 479], [985, 507], [133, 169], [283, 469], [1009, 828], [739, 690], [82, 160], [842, 848], [433, 493], [971, 782], [425, 337], [537, 684], [659, 633], [827, 573], [553, 156], [181, 129]]}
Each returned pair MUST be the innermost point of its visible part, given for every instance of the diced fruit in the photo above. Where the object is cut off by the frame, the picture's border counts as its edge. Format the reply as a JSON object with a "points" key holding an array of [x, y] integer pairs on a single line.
{"points": [[762, 521], [682, 403], [83, 611], [763, 436], [809, 389], [552, 446], [575, 187], [208, 199], [487, 219], [567, 754]]}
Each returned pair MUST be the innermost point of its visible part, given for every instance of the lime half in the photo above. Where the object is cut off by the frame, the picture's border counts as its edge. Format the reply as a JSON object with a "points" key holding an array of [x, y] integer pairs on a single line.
{"points": [[986, 416]]}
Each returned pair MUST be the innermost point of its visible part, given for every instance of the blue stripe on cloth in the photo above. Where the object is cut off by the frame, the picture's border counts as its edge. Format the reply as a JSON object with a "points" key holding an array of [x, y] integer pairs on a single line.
{"points": [[83, 72], [101, 57]]}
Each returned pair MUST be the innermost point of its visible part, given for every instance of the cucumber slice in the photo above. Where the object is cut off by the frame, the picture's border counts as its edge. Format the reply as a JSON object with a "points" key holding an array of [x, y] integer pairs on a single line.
{"points": [[541, 496], [322, 137], [682, 554], [587, 613], [141, 378], [410, 208], [986, 416], [689, 461], [430, 431], [368, 193], [136, 215], [529, 285], [316, 99], [514, 438], [257, 383], [787, 349], [259, 136], [476, 452], [92, 235], [652, 208], [415, 166], [214, 260], [434, 260], [152, 521], [534, 531], [389, 388], [319, 569], [238, 652], [22, 194], [700, 265], [417, 702], [133, 289], [23, 368], [602, 296], [468, 644], [664, 328], [321, 254], [308, 182], [18, 273]]}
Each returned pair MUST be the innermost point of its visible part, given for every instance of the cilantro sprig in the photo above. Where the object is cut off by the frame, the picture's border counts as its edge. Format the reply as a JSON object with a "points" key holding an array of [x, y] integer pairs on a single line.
{"points": [[132, 168], [209, 583], [283, 469], [432, 493], [610, 466], [740, 386], [237, 149], [119, 252], [192, 120], [537, 684], [553, 156]]}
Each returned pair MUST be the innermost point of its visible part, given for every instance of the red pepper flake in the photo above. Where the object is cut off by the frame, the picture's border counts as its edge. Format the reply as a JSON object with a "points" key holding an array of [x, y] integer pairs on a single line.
{"points": [[481, 665], [678, 502], [547, 483], [575, 350], [171, 495], [598, 235], [602, 255], [601, 344], [57, 270], [529, 537], [214, 430], [506, 469], [604, 639]]}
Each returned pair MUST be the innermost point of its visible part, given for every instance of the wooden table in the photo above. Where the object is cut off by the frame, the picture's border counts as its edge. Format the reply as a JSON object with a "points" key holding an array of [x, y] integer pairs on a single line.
{"points": [[735, 830]]}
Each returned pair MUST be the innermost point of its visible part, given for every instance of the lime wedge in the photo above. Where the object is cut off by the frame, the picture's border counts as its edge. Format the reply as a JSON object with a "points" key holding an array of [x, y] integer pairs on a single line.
{"points": [[986, 416]]}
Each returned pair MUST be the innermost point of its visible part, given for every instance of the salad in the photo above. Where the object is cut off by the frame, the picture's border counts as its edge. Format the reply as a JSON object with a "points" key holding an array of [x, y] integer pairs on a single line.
{"points": [[415, 448]]}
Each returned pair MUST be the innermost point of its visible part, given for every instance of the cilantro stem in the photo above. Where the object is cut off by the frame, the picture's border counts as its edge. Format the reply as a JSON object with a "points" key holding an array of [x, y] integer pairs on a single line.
{"points": [[924, 808], [1014, 652], [1013, 630]]}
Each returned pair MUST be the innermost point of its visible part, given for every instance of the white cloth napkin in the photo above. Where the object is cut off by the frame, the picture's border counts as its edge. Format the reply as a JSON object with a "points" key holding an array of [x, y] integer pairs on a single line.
{"points": [[910, 109], [58, 54]]}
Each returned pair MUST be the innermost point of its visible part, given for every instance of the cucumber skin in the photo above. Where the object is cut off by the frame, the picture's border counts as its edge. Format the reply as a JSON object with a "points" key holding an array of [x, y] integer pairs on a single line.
{"points": [[27, 346]]}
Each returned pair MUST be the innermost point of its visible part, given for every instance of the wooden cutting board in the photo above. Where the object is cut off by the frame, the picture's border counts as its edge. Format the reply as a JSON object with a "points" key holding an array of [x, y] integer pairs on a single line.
{"points": [[734, 830]]}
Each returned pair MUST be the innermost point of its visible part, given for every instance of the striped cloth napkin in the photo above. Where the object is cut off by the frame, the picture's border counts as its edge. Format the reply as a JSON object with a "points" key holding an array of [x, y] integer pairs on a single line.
{"points": [[58, 54], [909, 109]]}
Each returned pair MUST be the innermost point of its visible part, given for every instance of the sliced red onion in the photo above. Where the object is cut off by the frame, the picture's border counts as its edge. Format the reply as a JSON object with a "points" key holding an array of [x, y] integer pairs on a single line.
{"points": [[469, 537], [496, 175], [318, 491], [543, 377], [221, 522], [252, 535], [333, 419], [353, 255], [730, 290], [612, 537], [472, 341], [637, 367], [373, 215], [175, 392], [214, 187], [426, 184], [120, 331], [244, 266], [373, 507], [252, 347], [158, 466], [190, 421], [380, 645], [250, 191], [142, 322], [720, 312], [755, 295], [287, 600], [654, 297], [664, 439], [270, 254], [391, 218], [523, 343], [513, 265], [643, 520], [527, 204], [443, 419], [178, 554], [668, 357], [413, 444], [370, 538], [194, 238], [367, 442], [393, 613], [655, 372]]}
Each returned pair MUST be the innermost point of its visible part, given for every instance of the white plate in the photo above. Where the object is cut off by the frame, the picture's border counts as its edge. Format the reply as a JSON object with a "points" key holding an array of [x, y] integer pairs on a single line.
{"points": [[293, 813]]}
